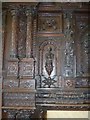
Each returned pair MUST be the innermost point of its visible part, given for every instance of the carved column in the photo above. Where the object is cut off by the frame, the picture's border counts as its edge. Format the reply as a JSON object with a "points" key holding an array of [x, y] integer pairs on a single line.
{"points": [[29, 33], [13, 50]]}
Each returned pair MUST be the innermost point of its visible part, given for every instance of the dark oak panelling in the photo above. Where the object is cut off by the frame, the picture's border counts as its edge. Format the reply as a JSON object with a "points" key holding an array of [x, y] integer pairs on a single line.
{"points": [[47, 67]]}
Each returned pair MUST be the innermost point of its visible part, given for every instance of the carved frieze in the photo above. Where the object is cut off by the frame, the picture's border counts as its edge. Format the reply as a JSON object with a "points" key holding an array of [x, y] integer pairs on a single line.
{"points": [[17, 114], [19, 99], [50, 22], [63, 97]]}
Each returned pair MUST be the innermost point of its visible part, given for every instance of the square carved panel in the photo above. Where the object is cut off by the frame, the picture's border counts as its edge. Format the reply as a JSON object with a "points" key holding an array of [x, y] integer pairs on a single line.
{"points": [[50, 22], [12, 69], [27, 68], [27, 83]]}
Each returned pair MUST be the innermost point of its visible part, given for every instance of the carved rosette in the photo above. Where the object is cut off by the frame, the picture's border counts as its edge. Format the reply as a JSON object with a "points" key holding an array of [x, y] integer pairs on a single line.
{"points": [[12, 69], [13, 49], [29, 33]]}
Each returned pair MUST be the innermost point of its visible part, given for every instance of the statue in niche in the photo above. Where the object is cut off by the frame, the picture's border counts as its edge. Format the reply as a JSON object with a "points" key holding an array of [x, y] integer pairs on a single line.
{"points": [[49, 56]]}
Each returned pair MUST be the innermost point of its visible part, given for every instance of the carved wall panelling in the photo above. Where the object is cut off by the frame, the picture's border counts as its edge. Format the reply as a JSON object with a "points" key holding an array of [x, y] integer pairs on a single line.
{"points": [[48, 48]]}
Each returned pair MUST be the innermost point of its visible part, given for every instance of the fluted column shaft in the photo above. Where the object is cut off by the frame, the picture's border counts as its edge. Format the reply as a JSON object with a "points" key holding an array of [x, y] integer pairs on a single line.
{"points": [[13, 51], [29, 34]]}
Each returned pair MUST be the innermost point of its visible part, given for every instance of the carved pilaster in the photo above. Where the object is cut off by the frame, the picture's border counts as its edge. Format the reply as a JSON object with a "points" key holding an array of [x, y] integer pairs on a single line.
{"points": [[69, 63], [13, 50], [29, 33]]}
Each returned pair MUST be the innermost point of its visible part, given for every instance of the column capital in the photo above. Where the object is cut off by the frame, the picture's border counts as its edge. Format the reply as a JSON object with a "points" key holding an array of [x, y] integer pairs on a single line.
{"points": [[28, 11], [14, 12]]}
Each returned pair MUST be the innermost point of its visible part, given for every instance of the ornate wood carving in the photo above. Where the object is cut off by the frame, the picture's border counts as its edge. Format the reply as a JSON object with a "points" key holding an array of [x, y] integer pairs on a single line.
{"points": [[22, 23], [27, 68], [48, 55], [29, 33], [13, 50], [50, 22], [19, 99], [12, 69]]}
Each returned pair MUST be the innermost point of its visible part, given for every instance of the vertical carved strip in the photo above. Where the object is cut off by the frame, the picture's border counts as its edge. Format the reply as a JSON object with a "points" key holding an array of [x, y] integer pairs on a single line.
{"points": [[29, 33], [69, 48], [13, 51], [0, 62], [34, 38], [4, 14]]}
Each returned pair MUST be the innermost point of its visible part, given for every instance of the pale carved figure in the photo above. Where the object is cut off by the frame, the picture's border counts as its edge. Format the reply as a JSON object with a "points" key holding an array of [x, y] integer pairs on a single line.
{"points": [[49, 61]]}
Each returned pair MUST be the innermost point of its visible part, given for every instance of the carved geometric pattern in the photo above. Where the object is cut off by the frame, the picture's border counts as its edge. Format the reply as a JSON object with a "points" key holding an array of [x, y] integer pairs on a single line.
{"points": [[48, 82], [69, 83], [27, 68], [10, 83], [12, 69], [26, 83]]}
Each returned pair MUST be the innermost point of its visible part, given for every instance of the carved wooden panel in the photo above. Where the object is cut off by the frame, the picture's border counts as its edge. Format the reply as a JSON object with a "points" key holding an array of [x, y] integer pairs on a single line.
{"points": [[61, 97], [50, 22], [12, 69], [10, 83], [27, 83], [50, 56], [27, 68], [19, 99]]}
